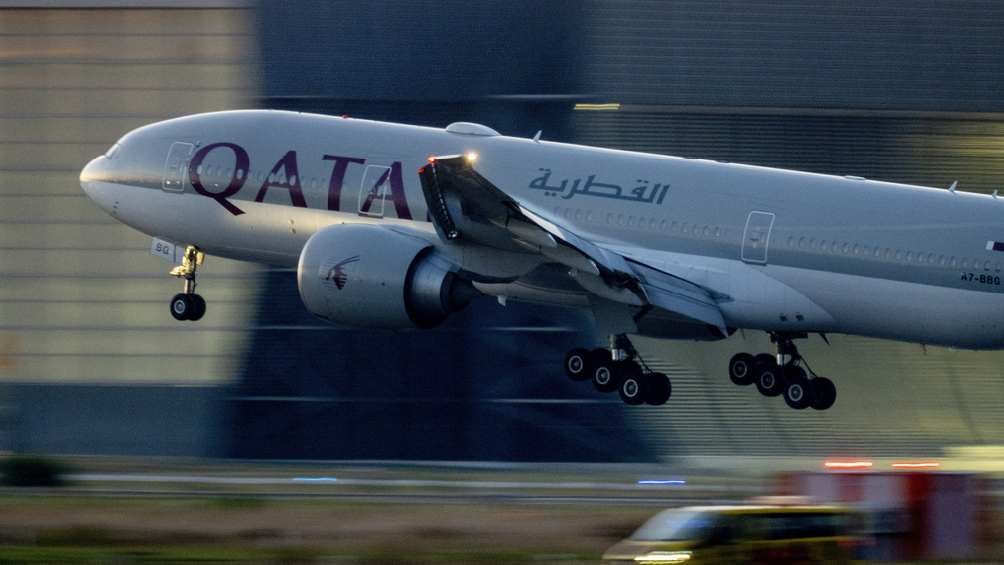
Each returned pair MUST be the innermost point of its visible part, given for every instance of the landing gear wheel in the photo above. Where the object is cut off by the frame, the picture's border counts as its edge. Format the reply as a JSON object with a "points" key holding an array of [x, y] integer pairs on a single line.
{"points": [[769, 380], [604, 374], [198, 307], [824, 393], [741, 369], [633, 388], [577, 364], [182, 306], [658, 389], [797, 394]]}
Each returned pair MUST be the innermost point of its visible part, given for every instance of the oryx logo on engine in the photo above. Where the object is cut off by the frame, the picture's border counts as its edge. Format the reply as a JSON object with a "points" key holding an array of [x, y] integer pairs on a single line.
{"points": [[337, 274]]}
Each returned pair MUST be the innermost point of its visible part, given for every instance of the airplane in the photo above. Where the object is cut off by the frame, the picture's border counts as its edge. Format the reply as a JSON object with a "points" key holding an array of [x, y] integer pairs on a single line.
{"points": [[400, 226]]}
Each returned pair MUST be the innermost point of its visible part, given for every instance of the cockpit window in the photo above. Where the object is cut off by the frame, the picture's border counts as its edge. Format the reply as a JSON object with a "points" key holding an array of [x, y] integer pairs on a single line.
{"points": [[110, 154]]}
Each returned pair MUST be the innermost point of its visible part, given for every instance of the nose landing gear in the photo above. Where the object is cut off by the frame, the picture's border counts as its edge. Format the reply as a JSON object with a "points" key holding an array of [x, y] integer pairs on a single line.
{"points": [[619, 368], [783, 374], [188, 305]]}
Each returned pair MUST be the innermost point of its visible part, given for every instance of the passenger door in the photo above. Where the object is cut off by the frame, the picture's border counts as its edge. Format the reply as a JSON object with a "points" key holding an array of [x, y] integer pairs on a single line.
{"points": [[756, 237], [374, 190], [176, 166]]}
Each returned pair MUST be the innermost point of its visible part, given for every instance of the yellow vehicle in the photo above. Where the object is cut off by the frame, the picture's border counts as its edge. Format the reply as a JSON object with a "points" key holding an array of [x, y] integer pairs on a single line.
{"points": [[741, 534]]}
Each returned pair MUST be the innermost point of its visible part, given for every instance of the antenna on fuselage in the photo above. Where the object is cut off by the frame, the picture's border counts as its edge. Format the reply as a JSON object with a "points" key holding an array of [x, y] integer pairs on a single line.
{"points": [[994, 195], [536, 137], [952, 188]]}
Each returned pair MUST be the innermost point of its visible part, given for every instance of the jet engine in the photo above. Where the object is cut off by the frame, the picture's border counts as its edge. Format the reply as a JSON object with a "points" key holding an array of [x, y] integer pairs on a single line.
{"points": [[372, 276]]}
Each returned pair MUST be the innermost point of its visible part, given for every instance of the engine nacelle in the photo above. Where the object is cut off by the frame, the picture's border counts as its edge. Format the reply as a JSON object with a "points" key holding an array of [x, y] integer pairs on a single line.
{"points": [[371, 276]]}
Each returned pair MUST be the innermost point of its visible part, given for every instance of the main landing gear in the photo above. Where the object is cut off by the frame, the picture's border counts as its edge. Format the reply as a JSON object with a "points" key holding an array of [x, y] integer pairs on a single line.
{"points": [[187, 305], [784, 374], [619, 368]]}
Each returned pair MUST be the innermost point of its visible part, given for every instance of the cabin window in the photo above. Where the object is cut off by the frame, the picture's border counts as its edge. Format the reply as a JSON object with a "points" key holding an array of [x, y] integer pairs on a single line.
{"points": [[718, 232]]}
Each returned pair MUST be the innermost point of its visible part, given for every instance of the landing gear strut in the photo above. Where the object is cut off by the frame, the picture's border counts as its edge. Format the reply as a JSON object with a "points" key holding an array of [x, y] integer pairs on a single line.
{"points": [[188, 305], [619, 368], [784, 374]]}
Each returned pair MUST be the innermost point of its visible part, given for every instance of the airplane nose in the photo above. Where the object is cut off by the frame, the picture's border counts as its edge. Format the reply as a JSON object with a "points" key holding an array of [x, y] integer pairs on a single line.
{"points": [[91, 177], [88, 176]]}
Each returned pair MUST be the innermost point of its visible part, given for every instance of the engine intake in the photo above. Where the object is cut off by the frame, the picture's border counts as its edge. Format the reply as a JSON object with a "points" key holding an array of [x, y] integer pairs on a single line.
{"points": [[371, 276]]}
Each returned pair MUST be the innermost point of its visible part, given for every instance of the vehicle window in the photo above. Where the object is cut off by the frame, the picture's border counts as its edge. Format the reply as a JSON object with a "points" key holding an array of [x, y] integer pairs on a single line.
{"points": [[800, 525], [675, 525]]}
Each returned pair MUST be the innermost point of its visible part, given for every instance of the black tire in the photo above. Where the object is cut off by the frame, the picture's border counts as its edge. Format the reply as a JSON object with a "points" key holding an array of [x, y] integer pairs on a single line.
{"points": [[763, 359], [633, 388], [824, 393], [741, 369], [577, 364], [604, 374], [181, 306], [198, 307], [659, 389], [769, 379], [797, 394]]}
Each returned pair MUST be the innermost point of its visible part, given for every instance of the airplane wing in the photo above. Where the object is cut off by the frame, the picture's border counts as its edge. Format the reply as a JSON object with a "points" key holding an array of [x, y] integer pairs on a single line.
{"points": [[466, 207]]}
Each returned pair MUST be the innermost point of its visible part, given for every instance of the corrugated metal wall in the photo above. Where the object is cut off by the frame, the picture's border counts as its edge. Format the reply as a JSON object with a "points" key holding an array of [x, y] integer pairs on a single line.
{"points": [[81, 299], [902, 91], [897, 54]]}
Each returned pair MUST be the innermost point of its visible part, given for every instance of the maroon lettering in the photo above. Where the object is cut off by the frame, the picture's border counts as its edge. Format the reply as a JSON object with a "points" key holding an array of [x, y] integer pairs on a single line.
{"points": [[240, 174], [338, 178], [397, 192], [375, 193], [290, 180]]}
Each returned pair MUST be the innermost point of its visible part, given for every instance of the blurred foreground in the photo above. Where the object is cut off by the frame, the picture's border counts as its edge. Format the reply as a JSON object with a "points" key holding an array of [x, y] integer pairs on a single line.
{"points": [[128, 510]]}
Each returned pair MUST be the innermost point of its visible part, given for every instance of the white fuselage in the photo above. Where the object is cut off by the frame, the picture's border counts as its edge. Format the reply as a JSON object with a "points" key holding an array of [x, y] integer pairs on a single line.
{"points": [[786, 251]]}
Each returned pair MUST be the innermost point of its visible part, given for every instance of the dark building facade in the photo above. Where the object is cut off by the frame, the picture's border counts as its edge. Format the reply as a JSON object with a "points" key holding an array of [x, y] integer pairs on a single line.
{"points": [[899, 90]]}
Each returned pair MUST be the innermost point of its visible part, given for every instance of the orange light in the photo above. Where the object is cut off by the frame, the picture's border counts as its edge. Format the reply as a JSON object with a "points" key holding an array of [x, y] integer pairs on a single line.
{"points": [[916, 465], [849, 464]]}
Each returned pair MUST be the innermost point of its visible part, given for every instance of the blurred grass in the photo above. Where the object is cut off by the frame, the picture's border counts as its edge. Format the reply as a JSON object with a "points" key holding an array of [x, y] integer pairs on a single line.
{"points": [[219, 530]]}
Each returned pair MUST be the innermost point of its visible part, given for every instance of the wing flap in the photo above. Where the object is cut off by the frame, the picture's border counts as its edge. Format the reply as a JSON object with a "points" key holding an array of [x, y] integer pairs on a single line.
{"points": [[465, 206]]}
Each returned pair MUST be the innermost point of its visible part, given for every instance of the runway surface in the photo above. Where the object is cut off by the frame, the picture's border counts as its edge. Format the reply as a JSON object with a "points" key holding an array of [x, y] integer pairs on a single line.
{"points": [[590, 492]]}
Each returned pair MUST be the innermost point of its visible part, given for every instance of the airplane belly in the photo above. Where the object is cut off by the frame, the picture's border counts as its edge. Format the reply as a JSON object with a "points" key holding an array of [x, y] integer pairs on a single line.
{"points": [[901, 310]]}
